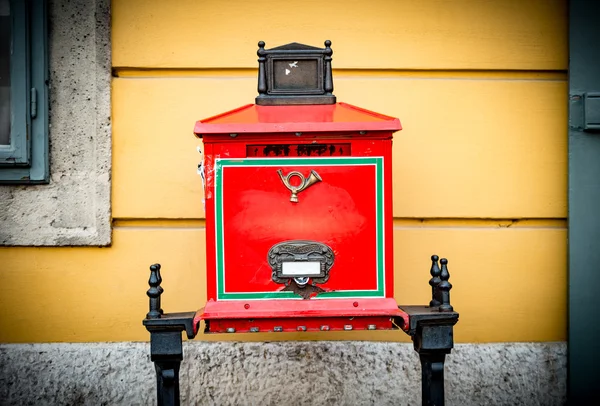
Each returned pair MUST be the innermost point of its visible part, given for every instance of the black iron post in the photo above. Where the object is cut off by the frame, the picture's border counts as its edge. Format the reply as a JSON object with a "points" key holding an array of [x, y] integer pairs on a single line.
{"points": [[166, 350], [431, 329]]}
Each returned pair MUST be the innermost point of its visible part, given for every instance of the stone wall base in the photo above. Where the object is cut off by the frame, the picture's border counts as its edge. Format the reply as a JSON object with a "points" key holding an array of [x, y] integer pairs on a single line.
{"points": [[281, 373]]}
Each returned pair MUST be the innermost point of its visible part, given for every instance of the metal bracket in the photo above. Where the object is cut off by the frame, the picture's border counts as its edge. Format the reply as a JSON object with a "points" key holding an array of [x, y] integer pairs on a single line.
{"points": [[591, 112], [584, 111]]}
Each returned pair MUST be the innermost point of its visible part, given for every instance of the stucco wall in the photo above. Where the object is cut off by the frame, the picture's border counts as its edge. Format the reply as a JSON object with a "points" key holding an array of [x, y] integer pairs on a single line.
{"points": [[479, 167], [285, 373], [74, 208], [479, 177]]}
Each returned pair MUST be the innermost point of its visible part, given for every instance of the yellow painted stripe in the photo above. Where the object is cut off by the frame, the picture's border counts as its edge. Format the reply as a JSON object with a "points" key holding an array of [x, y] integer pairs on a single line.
{"points": [[159, 223], [479, 223], [425, 34], [124, 72], [398, 223], [468, 148], [503, 280], [454, 74], [150, 73]]}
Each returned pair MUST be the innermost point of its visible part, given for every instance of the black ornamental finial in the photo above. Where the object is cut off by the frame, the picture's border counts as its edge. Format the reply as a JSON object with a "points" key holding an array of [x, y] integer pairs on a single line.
{"points": [[154, 292], [160, 289], [444, 287], [328, 86], [262, 73], [434, 282]]}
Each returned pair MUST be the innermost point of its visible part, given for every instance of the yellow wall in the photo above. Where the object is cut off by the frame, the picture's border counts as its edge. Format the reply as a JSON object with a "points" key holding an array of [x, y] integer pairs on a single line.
{"points": [[480, 168]]}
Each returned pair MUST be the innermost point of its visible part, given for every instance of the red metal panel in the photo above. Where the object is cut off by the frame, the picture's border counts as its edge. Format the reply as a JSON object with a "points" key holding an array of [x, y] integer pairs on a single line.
{"points": [[306, 315], [252, 219], [256, 213], [340, 211], [388, 216], [238, 309], [209, 207], [311, 323], [308, 118]]}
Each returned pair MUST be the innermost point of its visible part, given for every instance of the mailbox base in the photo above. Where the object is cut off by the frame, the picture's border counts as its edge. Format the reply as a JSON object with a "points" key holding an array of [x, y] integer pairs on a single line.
{"points": [[302, 315], [430, 327]]}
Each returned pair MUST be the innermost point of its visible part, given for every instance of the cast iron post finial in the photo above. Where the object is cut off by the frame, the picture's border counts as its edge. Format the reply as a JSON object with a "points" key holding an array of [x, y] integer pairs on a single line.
{"points": [[444, 287], [154, 292], [328, 87], [434, 282], [262, 74], [160, 289]]}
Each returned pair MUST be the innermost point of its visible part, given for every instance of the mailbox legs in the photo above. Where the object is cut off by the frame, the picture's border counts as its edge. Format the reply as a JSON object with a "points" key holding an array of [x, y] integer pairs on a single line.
{"points": [[431, 333], [166, 350], [167, 382], [431, 329], [432, 378]]}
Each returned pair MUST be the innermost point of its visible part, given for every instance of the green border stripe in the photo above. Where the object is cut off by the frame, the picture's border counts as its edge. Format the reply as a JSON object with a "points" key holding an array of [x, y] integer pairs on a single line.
{"points": [[290, 295], [300, 161], [219, 230], [220, 164], [380, 228]]}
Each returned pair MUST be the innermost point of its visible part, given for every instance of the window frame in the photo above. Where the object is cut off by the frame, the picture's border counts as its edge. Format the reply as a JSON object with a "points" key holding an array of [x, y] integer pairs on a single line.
{"points": [[26, 160]]}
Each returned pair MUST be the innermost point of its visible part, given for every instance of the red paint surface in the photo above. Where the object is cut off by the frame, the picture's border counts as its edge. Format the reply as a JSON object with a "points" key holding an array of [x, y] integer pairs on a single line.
{"points": [[311, 314], [274, 203], [312, 118], [339, 212], [258, 212], [234, 309], [311, 324]]}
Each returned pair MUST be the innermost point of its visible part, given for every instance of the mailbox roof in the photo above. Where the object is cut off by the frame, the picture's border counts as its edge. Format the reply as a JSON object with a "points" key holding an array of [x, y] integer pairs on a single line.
{"points": [[253, 118]]}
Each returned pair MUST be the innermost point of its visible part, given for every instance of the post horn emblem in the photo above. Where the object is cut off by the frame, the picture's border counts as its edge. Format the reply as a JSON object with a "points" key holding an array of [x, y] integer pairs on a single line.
{"points": [[313, 178]]}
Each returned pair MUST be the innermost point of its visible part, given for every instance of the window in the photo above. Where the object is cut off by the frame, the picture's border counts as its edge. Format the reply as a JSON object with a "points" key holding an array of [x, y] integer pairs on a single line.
{"points": [[23, 92]]}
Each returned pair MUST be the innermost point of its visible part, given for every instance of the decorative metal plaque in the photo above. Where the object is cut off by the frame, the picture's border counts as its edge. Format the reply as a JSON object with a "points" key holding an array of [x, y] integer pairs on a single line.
{"points": [[294, 74], [300, 260]]}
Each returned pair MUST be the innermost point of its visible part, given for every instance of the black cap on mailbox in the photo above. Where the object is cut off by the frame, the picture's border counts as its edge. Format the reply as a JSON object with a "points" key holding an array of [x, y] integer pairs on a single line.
{"points": [[294, 74]]}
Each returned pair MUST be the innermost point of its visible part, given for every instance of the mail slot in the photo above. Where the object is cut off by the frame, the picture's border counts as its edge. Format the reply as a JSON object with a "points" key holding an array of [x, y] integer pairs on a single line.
{"points": [[298, 201]]}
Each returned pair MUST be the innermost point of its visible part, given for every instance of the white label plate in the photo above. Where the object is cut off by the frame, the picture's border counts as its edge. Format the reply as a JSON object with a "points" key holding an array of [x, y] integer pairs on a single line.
{"points": [[300, 268]]}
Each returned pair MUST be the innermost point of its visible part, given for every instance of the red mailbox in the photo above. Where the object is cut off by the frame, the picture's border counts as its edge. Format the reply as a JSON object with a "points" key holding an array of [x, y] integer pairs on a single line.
{"points": [[298, 198], [298, 211]]}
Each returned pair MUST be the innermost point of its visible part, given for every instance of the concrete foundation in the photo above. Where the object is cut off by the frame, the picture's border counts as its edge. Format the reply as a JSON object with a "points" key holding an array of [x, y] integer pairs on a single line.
{"points": [[281, 373]]}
